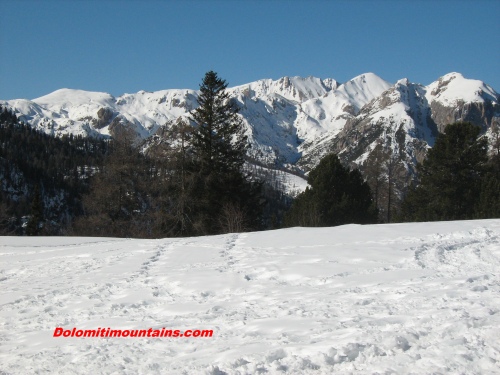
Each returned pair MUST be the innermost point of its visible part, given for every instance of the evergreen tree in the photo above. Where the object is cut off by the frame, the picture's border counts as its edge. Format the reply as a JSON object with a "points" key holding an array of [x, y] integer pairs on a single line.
{"points": [[221, 191], [337, 195], [450, 177], [218, 140]]}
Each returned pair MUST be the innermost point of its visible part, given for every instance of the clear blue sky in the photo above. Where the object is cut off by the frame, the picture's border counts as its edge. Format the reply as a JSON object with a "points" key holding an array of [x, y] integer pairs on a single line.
{"points": [[126, 46]]}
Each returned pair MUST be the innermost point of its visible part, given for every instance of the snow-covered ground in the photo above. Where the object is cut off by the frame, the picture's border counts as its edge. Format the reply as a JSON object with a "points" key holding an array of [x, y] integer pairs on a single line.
{"points": [[388, 299]]}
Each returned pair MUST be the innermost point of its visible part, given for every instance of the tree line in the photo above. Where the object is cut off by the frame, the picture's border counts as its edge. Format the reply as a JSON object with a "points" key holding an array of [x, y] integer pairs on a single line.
{"points": [[194, 179]]}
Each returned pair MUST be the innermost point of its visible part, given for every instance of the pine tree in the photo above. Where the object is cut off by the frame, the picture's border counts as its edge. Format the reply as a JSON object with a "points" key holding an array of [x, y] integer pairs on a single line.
{"points": [[337, 195], [220, 187], [218, 141]]}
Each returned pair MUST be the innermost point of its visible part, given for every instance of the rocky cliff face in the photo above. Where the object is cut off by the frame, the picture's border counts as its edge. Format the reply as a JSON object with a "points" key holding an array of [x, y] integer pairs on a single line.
{"points": [[479, 113], [398, 122], [453, 98]]}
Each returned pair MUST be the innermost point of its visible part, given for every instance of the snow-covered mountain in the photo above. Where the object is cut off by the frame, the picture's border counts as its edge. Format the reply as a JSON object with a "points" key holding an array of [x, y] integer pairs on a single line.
{"points": [[279, 115], [290, 121], [403, 122], [454, 98], [283, 115], [69, 111]]}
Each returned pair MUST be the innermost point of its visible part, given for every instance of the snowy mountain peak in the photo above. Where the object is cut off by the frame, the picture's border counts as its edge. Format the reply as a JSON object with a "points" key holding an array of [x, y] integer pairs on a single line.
{"points": [[71, 97], [454, 87], [362, 89], [297, 89], [367, 78], [452, 75], [403, 82]]}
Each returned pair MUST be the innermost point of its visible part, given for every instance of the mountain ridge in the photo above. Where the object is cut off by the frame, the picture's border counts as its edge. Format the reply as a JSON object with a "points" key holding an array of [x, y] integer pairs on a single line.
{"points": [[292, 121]]}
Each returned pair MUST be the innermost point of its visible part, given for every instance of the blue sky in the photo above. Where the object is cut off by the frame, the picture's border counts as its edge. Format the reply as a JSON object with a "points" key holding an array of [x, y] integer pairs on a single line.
{"points": [[126, 46]]}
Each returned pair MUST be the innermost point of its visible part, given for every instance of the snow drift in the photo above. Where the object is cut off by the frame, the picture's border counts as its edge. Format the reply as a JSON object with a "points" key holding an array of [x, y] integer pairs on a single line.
{"points": [[398, 298]]}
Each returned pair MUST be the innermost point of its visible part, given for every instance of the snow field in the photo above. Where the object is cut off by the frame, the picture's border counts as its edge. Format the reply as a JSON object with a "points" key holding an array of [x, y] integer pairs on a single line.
{"points": [[401, 298]]}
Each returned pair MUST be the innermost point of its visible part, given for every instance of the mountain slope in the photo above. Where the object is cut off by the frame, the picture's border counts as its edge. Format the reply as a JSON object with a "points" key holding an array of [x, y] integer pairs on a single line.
{"points": [[395, 120], [328, 115], [293, 120]]}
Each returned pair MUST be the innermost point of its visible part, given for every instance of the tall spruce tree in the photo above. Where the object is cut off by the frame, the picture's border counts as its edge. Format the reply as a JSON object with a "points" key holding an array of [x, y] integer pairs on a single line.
{"points": [[450, 177], [337, 195], [223, 194], [218, 141]]}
